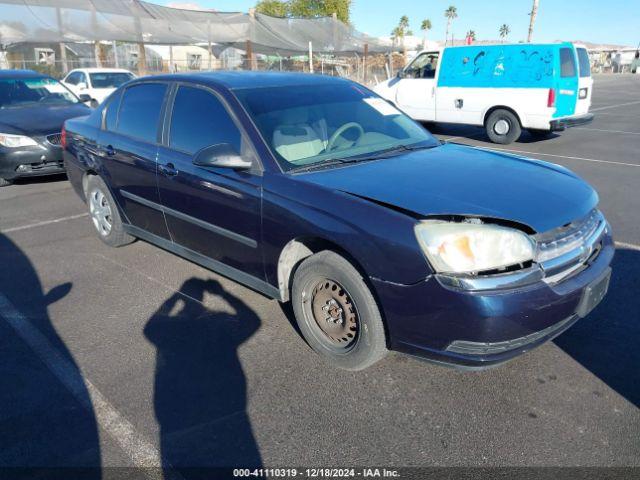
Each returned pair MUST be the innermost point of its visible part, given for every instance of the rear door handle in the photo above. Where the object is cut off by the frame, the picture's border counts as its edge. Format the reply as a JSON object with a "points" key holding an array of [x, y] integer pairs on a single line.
{"points": [[168, 170]]}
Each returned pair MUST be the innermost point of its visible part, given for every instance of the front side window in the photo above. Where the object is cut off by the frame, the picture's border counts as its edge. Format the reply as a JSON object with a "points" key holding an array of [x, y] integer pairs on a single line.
{"points": [[567, 63], [140, 109], [21, 92], [424, 66], [72, 78], [583, 62], [313, 124], [109, 79], [200, 120]]}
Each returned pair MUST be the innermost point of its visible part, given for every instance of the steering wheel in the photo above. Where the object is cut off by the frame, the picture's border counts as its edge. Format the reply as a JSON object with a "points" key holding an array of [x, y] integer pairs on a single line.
{"points": [[340, 131]]}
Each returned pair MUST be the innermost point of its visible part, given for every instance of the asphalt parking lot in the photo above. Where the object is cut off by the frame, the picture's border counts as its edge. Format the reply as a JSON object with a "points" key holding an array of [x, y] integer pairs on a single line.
{"points": [[135, 357]]}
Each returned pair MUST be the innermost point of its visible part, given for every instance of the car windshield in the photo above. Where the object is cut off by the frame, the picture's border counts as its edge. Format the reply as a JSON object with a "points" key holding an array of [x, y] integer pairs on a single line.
{"points": [[323, 124], [19, 92], [109, 79]]}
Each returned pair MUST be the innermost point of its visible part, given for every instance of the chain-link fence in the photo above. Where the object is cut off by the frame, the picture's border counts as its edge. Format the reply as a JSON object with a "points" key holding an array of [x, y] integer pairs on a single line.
{"points": [[57, 60]]}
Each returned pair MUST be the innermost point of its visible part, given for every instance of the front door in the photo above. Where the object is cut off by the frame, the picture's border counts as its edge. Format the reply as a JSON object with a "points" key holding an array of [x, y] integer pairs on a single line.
{"points": [[211, 211], [128, 147], [416, 89]]}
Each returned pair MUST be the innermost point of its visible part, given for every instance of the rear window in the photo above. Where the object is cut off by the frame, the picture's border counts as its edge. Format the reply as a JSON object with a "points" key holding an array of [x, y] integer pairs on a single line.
{"points": [[583, 62], [567, 63], [140, 111]]}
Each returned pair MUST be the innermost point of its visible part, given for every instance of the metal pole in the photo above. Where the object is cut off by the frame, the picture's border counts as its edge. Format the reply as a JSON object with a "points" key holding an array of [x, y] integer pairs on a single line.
{"points": [[209, 43], [63, 47], [310, 57], [171, 67], [366, 55], [114, 47]]}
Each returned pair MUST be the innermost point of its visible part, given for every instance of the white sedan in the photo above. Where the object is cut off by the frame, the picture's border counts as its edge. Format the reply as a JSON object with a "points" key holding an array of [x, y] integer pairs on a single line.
{"points": [[98, 83]]}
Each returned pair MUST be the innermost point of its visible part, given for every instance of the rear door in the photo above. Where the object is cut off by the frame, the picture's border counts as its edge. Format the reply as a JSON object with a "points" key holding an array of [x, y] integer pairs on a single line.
{"points": [[585, 82], [128, 147], [567, 83], [416, 89], [212, 211]]}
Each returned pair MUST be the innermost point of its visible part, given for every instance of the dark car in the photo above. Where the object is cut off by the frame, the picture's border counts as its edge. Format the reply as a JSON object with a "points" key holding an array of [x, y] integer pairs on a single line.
{"points": [[33, 108], [314, 190]]}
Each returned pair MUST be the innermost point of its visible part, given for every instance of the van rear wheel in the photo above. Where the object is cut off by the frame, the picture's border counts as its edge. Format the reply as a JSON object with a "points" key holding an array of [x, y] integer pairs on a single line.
{"points": [[503, 127]]}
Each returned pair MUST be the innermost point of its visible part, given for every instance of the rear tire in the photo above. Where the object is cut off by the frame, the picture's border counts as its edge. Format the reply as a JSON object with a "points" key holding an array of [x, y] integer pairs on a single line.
{"points": [[5, 183], [336, 312], [503, 127], [104, 214]]}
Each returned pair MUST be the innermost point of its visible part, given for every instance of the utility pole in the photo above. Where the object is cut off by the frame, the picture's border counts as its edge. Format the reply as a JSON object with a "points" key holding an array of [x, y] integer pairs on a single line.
{"points": [[532, 21], [253, 64]]}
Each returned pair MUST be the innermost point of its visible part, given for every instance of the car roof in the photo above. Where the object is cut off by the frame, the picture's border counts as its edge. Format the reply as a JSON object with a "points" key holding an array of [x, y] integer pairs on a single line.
{"points": [[96, 69], [242, 79], [21, 74]]}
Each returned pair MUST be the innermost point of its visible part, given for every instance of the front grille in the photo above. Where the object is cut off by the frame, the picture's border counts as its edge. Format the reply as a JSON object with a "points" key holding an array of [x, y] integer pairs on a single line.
{"points": [[564, 251], [54, 139]]}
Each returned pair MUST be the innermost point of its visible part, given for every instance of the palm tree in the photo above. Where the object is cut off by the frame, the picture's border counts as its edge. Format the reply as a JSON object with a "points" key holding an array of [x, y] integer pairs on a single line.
{"points": [[450, 13], [534, 12], [472, 35], [425, 27], [504, 31], [400, 32]]}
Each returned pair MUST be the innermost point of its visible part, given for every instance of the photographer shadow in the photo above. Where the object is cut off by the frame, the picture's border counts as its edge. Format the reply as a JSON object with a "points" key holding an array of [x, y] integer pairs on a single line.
{"points": [[200, 394], [606, 342]]}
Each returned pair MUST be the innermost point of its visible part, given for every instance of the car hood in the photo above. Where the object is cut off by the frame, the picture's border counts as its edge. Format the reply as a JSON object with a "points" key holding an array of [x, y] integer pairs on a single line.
{"points": [[39, 119], [458, 180]]}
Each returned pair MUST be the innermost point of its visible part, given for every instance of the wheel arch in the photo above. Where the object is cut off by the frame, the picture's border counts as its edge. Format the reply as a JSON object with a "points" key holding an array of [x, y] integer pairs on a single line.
{"points": [[300, 248], [489, 111]]}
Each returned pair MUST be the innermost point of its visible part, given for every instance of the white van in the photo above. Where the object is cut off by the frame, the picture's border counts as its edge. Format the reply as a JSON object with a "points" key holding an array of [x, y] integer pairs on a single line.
{"points": [[505, 88]]}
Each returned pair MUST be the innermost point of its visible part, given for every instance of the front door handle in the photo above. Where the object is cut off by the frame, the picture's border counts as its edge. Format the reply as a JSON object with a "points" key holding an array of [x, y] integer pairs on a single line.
{"points": [[168, 170]]}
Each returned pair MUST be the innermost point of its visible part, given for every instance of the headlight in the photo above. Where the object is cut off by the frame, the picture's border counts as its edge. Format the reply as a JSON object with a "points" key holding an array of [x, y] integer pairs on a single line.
{"points": [[13, 141], [472, 247]]}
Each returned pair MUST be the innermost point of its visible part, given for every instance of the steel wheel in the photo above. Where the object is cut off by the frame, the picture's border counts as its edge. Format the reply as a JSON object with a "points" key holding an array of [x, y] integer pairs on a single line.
{"points": [[502, 127], [100, 211], [334, 313]]}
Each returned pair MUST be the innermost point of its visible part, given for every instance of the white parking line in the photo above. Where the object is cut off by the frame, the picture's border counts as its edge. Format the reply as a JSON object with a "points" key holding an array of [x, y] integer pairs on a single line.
{"points": [[630, 246], [608, 131], [142, 452], [41, 224], [614, 106], [553, 155]]}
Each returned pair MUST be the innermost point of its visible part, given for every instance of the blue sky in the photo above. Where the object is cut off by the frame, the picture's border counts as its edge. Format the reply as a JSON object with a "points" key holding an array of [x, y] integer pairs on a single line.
{"points": [[598, 21]]}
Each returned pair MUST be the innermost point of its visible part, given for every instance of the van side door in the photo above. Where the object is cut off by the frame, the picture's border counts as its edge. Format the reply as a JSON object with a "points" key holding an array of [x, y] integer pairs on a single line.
{"points": [[416, 92], [128, 147], [212, 211]]}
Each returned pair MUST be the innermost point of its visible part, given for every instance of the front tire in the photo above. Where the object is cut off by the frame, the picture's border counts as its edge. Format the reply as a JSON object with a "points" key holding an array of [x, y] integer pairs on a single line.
{"points": [[104, 214], [5, 183], [503, 127], [336, 312]]}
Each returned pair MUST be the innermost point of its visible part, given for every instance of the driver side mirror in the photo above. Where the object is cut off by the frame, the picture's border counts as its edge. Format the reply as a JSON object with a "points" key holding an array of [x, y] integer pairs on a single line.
{"points": [[84, 97], [222, 155], [401, 73]]}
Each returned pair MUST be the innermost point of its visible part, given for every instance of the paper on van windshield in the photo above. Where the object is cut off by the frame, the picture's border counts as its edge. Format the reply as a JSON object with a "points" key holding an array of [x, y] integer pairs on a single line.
{"points": [[382, 106]]}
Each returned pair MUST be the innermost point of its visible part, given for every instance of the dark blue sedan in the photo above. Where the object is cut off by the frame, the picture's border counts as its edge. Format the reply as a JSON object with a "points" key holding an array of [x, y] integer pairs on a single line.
{"points": [[316, 191]]}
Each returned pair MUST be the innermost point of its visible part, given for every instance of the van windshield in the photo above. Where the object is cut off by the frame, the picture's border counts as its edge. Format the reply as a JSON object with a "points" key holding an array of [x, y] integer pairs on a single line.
{"points": [[314, 124], [583, 62]]}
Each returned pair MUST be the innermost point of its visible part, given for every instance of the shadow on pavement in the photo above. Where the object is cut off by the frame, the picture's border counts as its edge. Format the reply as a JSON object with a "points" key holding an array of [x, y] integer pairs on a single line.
{"points": [[200, 395], [607, 342], [42, 424], [58, 177]]}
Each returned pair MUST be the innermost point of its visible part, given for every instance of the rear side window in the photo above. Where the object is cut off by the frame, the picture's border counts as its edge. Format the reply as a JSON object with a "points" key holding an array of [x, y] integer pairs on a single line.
{"points": [[567, 63], [140, 109], [111, 116], [200, 120], [583, 62]]}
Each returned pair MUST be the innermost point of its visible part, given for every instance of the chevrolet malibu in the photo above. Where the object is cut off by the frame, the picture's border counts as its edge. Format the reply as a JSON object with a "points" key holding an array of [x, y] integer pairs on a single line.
{"points": [[315, 191]]}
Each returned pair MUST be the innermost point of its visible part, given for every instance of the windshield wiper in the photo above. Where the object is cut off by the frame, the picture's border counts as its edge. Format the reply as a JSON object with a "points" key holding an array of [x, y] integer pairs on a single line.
{"points": [[324, 163]]}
